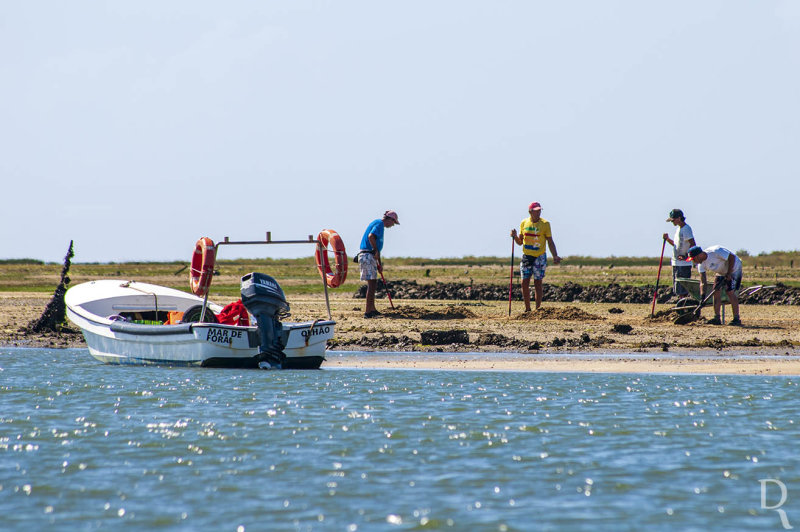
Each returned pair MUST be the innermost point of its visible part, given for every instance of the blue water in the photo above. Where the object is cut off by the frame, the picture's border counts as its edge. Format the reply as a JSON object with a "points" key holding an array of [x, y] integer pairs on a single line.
{"points": [[85, 446]]}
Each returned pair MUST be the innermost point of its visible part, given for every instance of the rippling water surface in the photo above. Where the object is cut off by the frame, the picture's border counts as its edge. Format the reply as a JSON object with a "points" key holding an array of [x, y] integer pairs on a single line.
{"points": [[85, 446]]}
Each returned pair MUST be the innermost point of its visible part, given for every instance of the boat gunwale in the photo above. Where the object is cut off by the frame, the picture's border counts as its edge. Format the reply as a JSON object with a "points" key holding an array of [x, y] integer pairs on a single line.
{"points": [[125, 327]]}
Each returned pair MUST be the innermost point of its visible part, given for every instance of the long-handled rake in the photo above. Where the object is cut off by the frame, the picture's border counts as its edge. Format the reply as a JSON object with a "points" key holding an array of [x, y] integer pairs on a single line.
{"points": [[385, 286], [511, 277], [658, 278]]}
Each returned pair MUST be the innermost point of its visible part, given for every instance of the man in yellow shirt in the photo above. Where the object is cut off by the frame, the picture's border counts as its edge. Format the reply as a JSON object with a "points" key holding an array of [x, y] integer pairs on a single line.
{"points": [[533, 233]]}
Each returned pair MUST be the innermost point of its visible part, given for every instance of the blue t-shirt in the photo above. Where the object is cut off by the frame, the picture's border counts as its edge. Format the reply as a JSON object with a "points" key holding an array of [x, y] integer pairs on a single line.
{"points": [[376, 228]]}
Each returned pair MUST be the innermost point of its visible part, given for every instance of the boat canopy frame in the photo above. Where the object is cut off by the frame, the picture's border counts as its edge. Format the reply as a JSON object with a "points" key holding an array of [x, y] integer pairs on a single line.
{"points": [[311, 240]]}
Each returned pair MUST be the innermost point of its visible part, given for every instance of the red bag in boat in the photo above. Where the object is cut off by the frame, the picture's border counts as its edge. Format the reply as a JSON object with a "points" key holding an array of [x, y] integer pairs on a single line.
{"points": [[234, 314]]}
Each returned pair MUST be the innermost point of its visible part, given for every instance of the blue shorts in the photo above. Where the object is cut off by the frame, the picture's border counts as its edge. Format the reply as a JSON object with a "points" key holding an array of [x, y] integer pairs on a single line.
{"points": [[734, 283], [533, 266]]}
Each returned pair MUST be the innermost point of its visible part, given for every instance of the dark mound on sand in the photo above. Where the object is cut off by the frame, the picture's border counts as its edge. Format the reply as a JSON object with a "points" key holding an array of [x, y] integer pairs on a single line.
{"points": [[456, 336], [622, 328], [780, 294], [664, 315], [451, 312], [552, 313], [493, 339], [501, 340], [386, 341], [568, 292]]}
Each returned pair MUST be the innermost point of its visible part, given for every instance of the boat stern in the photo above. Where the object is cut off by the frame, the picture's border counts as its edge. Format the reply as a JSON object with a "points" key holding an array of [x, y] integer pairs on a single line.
{"points": [[306, 343]]}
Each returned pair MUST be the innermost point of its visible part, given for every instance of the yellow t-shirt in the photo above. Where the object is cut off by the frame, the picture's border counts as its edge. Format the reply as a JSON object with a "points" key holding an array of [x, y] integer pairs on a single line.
{"points": [[534, 236]]}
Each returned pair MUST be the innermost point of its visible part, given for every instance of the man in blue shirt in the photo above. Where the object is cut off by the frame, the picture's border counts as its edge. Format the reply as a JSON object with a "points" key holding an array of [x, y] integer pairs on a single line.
{"points": [[369, 257]]}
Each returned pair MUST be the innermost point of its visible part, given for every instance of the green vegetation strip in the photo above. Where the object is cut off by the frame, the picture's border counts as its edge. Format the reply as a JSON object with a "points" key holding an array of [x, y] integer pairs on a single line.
{"points": [[300, 276]]}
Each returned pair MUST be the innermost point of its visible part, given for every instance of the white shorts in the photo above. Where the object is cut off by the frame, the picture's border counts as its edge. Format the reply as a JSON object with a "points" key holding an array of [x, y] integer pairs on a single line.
{"points": [[368, 266]]}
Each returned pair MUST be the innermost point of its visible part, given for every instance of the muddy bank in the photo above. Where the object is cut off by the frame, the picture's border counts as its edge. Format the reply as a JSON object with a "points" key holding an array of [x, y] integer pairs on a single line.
{"points": [[566, 293]]}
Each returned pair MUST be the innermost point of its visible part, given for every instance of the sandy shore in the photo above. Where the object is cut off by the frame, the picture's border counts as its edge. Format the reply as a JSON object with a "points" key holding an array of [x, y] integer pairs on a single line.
{"points": [[562, 337], [773, 363]]}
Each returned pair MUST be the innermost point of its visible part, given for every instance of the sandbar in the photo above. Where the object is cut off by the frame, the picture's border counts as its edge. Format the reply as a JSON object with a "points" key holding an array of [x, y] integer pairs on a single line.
{"points": [[565, 337], [698, 363]]}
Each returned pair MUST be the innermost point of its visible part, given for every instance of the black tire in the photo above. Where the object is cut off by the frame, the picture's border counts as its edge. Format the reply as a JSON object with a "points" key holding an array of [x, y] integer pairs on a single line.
{"points": [[193, 315], [687, 301]]}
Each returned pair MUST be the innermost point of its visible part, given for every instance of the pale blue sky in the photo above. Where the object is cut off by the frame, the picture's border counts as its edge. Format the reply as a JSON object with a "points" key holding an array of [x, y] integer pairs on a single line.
{"points": [[134, 128]]}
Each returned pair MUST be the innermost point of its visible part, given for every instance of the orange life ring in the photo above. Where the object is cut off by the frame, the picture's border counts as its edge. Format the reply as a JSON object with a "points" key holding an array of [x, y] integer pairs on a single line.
{"points": [[336, 277], [202, 269]]}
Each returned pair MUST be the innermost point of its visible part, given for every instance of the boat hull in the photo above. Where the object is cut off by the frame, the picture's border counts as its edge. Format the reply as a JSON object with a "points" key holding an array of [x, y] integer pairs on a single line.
{"points": [[193, 344]]}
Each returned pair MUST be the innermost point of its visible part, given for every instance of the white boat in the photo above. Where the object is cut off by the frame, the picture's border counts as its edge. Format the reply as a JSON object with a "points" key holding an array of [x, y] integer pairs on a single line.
{"points": [[127, 322], [117, 317]]}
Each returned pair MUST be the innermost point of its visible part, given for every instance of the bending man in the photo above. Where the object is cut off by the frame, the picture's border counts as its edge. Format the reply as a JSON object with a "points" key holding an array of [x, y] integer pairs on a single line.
{"points": [[728, 268], [369, 257]]}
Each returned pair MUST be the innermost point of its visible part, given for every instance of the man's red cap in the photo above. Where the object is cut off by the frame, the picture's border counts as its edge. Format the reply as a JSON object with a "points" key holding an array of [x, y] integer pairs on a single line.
{"points": [[534, 206]]}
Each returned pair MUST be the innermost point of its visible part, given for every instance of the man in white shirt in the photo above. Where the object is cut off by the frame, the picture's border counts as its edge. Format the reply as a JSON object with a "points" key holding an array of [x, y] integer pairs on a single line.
{"points": [[683, 240], [728, 269]]}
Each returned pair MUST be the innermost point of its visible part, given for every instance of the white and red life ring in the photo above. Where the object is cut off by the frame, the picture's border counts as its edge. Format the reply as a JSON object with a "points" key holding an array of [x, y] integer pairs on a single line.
{"points": [[337, 275], [202, 269]]}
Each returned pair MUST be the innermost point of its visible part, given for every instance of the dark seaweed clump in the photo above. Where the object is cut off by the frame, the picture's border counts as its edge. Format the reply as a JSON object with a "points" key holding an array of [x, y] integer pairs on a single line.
{"points": [[54, 317]]}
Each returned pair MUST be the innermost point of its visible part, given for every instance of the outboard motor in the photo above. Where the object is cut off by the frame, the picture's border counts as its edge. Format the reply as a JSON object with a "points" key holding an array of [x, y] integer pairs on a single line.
{"points": [[263, 298]]}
